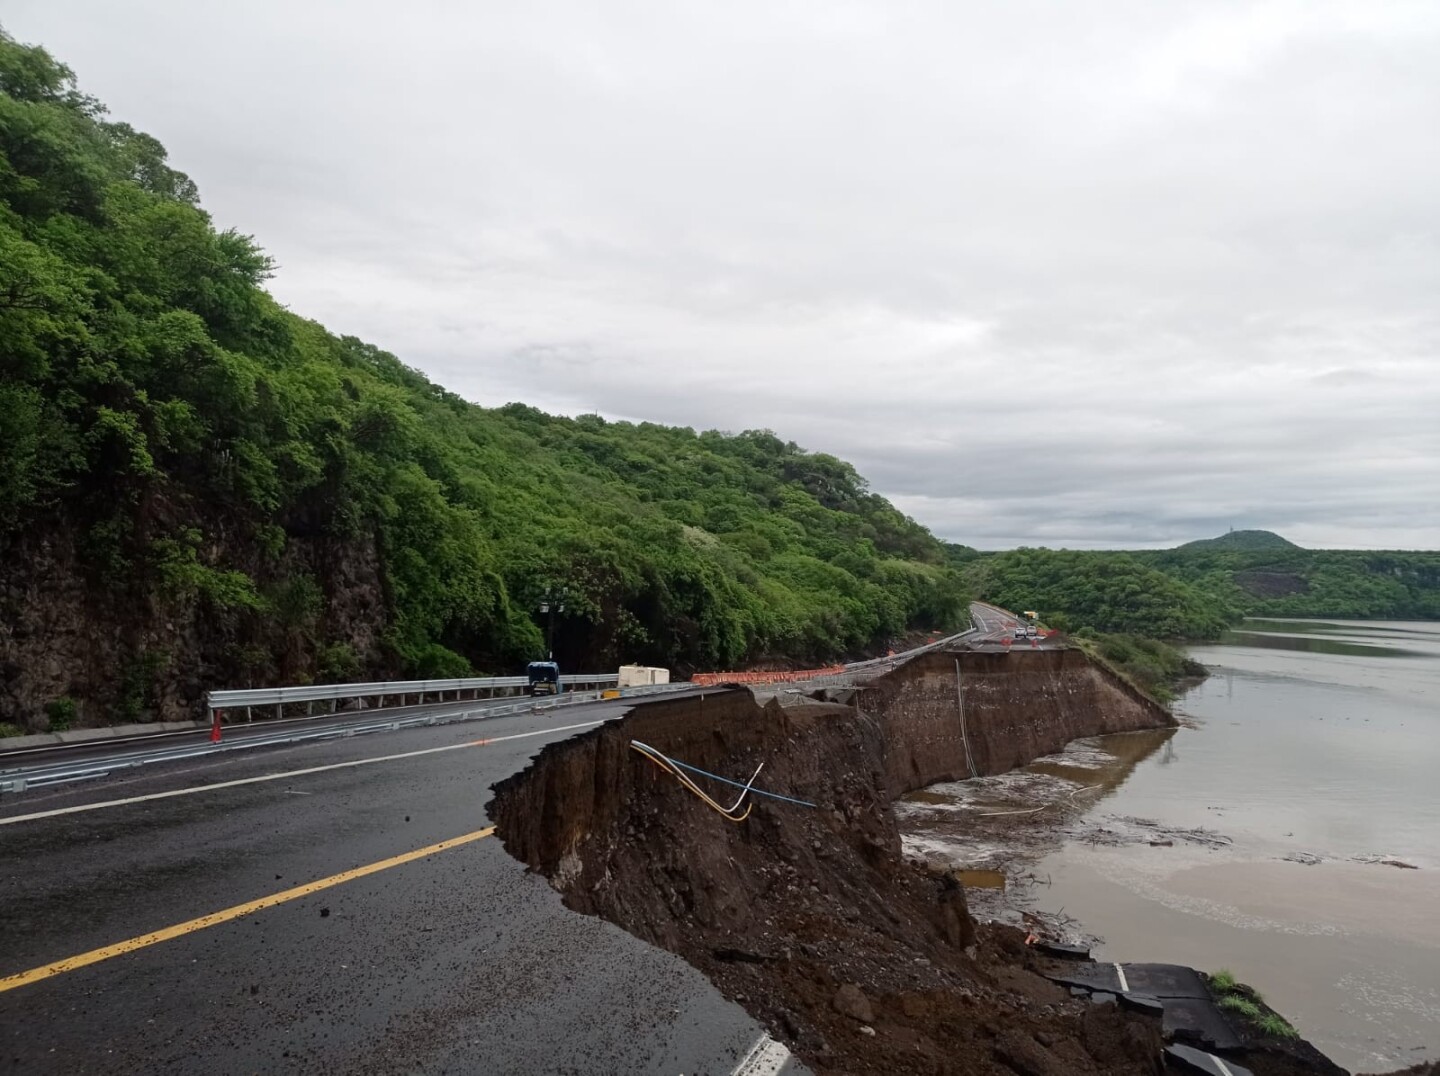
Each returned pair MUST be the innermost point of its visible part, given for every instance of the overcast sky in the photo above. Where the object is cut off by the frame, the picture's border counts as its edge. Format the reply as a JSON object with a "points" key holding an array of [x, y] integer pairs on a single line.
{"points": [[1086, 274]]}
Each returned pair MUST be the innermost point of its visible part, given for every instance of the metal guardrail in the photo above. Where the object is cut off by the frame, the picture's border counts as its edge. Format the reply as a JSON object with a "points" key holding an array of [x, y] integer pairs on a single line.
{"points": [[383, 689], [279, 697], [890, 661], [906, 655], [57, 773], [244, 698]]}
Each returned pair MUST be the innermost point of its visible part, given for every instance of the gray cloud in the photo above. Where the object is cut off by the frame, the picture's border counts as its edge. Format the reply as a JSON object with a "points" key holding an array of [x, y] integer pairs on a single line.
{"points": [[1113, 273]]}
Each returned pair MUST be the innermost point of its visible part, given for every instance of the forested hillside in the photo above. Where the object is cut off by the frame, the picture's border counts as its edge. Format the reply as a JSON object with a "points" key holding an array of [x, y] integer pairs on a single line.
{"points": [[1114, 606], [1239, 542], [1103, 591], [199, 488], [1281, 581], [1197, 589]]}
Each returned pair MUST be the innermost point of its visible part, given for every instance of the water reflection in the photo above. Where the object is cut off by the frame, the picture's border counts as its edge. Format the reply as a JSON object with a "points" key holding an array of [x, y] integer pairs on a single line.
{"points": [[1315, 644], [1111, 761], [1318, 743], [1424, 630]]}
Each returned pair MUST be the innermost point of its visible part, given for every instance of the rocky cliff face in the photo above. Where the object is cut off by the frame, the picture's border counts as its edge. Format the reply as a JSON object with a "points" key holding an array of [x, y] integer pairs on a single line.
{"points": [[82, 647]]}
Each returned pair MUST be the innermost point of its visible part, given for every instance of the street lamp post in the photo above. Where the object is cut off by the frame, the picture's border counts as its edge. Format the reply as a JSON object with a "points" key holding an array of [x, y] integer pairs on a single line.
{"points": [[553, 602]]}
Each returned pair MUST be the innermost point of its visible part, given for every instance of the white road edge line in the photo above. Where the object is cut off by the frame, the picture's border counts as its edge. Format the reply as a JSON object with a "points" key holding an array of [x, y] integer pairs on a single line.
{"points": [[766, 1058], [288, 773]]}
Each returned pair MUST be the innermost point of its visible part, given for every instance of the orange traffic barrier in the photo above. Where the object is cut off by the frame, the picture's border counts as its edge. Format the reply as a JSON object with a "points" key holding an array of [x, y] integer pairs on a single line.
{"points": [[763, 677]]}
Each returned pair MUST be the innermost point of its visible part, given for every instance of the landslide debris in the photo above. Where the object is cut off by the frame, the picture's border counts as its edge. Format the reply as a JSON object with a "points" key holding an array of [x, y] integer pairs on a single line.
{"points": [[810, 918]]}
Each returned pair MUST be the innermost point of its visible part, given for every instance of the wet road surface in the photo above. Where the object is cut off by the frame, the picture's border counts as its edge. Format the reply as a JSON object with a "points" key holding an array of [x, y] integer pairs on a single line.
{"points": [[457, 961]]}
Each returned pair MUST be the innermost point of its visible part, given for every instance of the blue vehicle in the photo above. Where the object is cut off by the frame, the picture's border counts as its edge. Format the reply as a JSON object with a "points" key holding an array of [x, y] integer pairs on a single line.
{"points": [[544, 677]]}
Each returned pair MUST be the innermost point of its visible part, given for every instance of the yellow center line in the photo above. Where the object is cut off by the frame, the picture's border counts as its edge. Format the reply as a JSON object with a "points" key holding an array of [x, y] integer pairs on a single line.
{"points": [[94, 956]]}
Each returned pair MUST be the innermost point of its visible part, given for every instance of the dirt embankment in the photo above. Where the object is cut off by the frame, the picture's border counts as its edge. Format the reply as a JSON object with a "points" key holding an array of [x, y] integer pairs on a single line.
{"points": [[808, 916], [1016, 707]]}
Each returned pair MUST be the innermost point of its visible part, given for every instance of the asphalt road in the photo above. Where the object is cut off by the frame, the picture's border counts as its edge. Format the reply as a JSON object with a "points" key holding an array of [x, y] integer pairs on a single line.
{"points": [[991, 620], [995, 626], [453, 961], [39, 765]]}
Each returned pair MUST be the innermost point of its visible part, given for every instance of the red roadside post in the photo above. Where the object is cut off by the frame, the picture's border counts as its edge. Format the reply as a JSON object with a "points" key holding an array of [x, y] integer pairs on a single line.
{"points": [[215, 726]]}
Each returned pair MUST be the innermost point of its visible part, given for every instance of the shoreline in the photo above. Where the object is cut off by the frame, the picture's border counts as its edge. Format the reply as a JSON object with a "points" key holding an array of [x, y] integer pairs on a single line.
{"points": [[1001, 837], [828, 918]]}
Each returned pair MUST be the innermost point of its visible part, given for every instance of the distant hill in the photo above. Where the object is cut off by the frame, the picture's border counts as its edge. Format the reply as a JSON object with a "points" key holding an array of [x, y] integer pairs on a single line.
{"points": [[958, 555], [1240, 542], [1195, 590]]}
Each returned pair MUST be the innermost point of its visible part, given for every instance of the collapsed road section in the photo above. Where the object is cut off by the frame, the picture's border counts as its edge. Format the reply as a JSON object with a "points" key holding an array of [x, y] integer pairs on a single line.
{"points": [[799, 905]]}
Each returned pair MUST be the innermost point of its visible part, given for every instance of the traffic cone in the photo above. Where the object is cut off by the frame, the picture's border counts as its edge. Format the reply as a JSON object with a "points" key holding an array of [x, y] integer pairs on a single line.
{"points": [[215, 728]]}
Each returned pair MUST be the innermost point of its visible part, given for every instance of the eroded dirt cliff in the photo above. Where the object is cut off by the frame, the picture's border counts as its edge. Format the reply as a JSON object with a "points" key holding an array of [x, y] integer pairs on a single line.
{"points": [[806, 915], [1010, 708]]}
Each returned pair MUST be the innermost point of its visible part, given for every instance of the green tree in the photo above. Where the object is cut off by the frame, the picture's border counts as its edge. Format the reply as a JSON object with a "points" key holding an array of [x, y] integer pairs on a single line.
{"points": [[242, 487]]}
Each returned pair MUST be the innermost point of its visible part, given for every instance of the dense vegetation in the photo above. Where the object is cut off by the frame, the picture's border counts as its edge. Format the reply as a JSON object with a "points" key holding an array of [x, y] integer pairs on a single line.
{"points": [[1125, 602], [200, 488], [1117, 608], [1153, 665], [1106, 592], [1290, 581], [1240, 542], [1197, 589]]}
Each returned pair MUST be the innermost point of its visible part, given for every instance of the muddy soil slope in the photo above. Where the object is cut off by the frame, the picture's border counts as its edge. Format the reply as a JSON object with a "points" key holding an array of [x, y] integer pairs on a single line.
{"points": [[807, 914], [1016, 707]]}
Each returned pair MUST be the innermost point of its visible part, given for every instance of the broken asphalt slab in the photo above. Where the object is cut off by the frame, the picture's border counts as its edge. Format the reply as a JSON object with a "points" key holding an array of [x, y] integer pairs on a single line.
{"points": [[1188, 1013], [1189, 1060], [1162, 981]]}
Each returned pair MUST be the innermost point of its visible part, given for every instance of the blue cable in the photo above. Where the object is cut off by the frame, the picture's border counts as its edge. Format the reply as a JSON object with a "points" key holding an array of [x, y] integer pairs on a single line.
{"points": [[737, 784]]}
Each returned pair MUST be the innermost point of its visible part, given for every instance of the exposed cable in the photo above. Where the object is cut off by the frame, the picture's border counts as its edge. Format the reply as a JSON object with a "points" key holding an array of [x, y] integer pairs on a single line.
{"points": [[675, 768], [665, 764], [737, 784], [669, 764], [669, 767], [960, 706]]}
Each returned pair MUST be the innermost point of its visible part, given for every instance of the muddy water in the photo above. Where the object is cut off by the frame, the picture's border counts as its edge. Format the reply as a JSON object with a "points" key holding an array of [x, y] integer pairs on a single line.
{"points": [[1314, 757]]}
